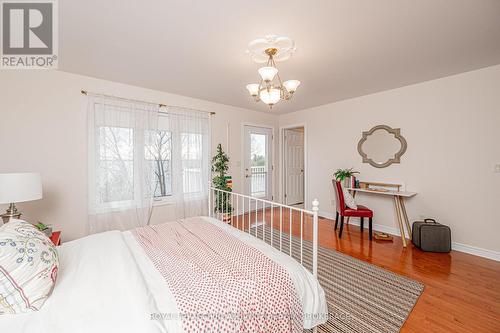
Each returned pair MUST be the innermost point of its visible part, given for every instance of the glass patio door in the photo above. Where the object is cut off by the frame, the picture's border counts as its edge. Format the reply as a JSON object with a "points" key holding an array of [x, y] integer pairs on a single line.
{"points": [[258, 162]]}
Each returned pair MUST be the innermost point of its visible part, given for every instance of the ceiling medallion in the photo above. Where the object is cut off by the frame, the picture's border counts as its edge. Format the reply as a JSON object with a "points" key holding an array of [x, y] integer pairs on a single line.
{"points": [[268, 50]]}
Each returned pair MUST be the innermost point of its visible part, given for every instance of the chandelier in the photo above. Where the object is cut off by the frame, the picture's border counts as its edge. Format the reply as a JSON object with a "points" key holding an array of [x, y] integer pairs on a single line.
{"points": [[271, 89]]}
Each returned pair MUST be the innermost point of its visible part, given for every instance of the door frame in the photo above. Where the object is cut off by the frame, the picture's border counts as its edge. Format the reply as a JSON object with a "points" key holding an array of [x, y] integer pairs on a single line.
{"points": [[242, 155], [282, 162]]}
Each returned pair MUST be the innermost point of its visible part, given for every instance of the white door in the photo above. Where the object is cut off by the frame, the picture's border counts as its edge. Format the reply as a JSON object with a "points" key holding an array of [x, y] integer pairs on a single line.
{"points": [[257, 161], [294, 166]]}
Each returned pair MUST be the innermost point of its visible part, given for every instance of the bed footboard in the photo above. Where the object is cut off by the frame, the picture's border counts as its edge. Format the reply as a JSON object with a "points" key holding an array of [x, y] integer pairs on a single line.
{"points": [[269, 221]]}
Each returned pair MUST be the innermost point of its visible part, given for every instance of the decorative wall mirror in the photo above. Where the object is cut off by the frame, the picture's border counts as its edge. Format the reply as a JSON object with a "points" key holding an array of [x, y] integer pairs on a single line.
{"points": [[381, 146]]}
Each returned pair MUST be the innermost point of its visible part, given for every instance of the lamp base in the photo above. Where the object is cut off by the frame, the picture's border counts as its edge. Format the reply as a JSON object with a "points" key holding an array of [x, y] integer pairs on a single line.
{"points": [[11, 213]]}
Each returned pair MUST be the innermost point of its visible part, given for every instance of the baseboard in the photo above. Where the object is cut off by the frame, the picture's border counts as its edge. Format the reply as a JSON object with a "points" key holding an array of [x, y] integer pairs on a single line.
{"points": [[355, 221], [477, 251], [326, 215]]}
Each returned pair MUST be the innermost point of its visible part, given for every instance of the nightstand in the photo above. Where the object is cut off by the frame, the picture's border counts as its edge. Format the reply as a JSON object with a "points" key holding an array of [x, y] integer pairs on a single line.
{"points": [[56, 238]]}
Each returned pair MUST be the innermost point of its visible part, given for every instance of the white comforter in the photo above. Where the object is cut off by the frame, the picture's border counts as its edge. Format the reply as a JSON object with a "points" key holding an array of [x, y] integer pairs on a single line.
{"points": [[106, 283]]}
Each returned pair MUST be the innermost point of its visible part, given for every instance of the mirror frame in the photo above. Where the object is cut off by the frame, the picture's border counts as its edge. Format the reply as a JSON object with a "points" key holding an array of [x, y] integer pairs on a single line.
{"points": [[397, 157]]}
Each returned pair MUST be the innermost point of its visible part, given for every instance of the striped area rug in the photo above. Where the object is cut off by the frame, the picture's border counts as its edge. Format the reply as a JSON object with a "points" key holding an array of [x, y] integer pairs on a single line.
{"points": [[361, 297]]}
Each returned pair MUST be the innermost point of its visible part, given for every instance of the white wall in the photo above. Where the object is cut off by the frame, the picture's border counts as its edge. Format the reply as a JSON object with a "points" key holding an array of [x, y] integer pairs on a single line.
{"points": [[452, 126], [43, 128]]}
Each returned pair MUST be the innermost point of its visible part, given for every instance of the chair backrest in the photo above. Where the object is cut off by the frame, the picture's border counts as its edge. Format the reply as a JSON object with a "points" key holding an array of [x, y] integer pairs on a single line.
{"points": [[339, 197]]}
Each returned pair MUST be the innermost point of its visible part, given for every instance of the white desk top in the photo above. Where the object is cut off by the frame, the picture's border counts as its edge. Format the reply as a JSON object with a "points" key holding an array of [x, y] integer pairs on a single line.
{"points": [[388, 192]]}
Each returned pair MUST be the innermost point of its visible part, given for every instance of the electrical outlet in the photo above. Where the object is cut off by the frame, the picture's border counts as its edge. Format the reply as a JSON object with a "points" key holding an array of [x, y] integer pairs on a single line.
{"points": [[496, 169]]}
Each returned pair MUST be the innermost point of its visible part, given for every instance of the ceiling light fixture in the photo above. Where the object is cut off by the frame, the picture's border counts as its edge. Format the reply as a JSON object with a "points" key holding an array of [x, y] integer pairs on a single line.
{"points": [[269, 49]]}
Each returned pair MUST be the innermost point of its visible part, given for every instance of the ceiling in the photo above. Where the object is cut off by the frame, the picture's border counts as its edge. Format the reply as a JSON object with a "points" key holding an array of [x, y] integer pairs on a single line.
{"points": [[344, 48]]}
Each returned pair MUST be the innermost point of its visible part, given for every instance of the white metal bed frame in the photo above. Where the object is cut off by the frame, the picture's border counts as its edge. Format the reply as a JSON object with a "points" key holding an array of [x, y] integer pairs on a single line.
{"points": [[233, 197]]}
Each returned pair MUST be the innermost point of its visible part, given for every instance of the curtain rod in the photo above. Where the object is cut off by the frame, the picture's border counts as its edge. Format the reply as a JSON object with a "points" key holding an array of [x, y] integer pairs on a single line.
{"points": [[85, 92]]}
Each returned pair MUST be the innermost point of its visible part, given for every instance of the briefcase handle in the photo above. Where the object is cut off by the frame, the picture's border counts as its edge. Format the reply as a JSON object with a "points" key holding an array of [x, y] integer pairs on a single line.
{"points": [[430, 221]]}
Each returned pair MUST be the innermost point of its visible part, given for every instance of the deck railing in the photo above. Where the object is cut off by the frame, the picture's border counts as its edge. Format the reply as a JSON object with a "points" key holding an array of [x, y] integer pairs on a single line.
{"points": [[259, 181]]}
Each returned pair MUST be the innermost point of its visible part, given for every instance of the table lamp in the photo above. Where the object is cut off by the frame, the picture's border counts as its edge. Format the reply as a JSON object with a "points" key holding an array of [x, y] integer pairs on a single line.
{"points": [[18, 187]]}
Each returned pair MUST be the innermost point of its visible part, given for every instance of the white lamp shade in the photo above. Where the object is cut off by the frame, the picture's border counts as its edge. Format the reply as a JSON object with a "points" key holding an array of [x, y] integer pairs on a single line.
{"points": [[20, 187], [270, 97], [253, 89], [268, 73], [291, 85]]}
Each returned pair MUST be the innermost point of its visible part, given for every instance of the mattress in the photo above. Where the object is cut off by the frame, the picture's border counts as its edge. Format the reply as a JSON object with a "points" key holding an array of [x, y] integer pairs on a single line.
{"points": [[108, 283]]}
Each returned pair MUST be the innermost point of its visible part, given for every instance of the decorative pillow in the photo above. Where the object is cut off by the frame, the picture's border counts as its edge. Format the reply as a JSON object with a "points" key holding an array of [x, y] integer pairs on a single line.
{"points": [[28, 267], [349, 200]]}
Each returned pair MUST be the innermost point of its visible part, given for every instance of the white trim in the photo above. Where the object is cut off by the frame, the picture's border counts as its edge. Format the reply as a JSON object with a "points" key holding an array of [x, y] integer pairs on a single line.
{"points": [[473, 250], [281, 161], [273, 156], [228, 135], [377, 227], [477, 251], [166, 200]]}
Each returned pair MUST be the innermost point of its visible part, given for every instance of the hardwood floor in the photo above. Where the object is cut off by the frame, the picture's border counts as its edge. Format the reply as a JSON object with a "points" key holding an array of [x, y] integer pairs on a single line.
{"points": [[462, 291]]}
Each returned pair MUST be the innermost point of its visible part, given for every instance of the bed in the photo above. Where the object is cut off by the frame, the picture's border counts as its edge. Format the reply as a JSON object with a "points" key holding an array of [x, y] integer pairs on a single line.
{"points": [[156, 278]]}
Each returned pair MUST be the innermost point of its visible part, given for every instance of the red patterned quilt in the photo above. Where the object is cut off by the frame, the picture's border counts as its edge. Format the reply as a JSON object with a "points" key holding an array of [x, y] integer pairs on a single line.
{"points": [[219, 282]]}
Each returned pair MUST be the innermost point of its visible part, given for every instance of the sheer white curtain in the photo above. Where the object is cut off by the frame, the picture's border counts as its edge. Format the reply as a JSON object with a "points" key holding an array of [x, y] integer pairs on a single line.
{"points": [[121, 179], [190, 159]]}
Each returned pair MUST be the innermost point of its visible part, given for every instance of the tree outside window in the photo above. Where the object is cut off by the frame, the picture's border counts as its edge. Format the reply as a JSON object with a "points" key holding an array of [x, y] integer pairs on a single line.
{"points": [[158, 151]]}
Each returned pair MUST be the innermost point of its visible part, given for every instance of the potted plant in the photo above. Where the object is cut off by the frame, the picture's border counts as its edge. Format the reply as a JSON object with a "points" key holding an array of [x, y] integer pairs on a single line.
{"points": [[344, 175], [220, 166], [46, 229]]}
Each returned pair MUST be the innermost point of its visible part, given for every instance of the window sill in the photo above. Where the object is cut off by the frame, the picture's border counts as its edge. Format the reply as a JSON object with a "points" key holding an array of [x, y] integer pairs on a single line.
{"points": [[169, 200], [163, 202]]}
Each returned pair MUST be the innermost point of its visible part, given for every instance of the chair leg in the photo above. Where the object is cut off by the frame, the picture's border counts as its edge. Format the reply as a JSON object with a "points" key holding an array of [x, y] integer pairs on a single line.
{"points": [[361, 224], [370, 227], [341, 226], [336, 220]]}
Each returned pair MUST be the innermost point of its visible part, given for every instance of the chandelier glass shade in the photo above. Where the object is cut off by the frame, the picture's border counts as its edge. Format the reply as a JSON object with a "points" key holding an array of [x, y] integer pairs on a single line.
{"points": [[270, 96], [271, 89], [253, 89], [267, 73]]}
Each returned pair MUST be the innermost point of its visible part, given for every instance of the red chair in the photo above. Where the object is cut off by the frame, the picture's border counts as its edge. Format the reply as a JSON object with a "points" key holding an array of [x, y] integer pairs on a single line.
{"points": [[343, 211]]}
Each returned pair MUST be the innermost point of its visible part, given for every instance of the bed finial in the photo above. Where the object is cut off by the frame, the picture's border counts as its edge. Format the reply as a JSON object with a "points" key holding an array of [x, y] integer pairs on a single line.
{"points": [[315, 206], [315, 209]]}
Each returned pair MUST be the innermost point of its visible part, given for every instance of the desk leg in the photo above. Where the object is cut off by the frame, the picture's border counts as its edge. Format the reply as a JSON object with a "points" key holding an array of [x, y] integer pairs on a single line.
{"points": [[405, 216], [400, 220], [353, 193]]}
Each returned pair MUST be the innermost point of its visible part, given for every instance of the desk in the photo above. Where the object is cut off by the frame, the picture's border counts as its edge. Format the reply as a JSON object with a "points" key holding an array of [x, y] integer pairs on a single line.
{"points": [[399, 205]]}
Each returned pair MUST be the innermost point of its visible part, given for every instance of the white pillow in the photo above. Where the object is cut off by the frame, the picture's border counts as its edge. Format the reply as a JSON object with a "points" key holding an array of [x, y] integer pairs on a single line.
{"points": [[28, 267], [349, 199]]}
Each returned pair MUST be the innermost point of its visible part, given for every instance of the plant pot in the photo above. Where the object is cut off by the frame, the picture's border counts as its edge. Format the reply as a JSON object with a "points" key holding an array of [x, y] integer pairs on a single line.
{"points": [[346, 182], [224, 217], [48, 231]]}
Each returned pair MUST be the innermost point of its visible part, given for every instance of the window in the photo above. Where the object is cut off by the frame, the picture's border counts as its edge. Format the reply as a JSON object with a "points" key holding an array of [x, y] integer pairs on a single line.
{"points": [[258, 165], [136, 155], [116, 164], [191, 155], [158, 152]]}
